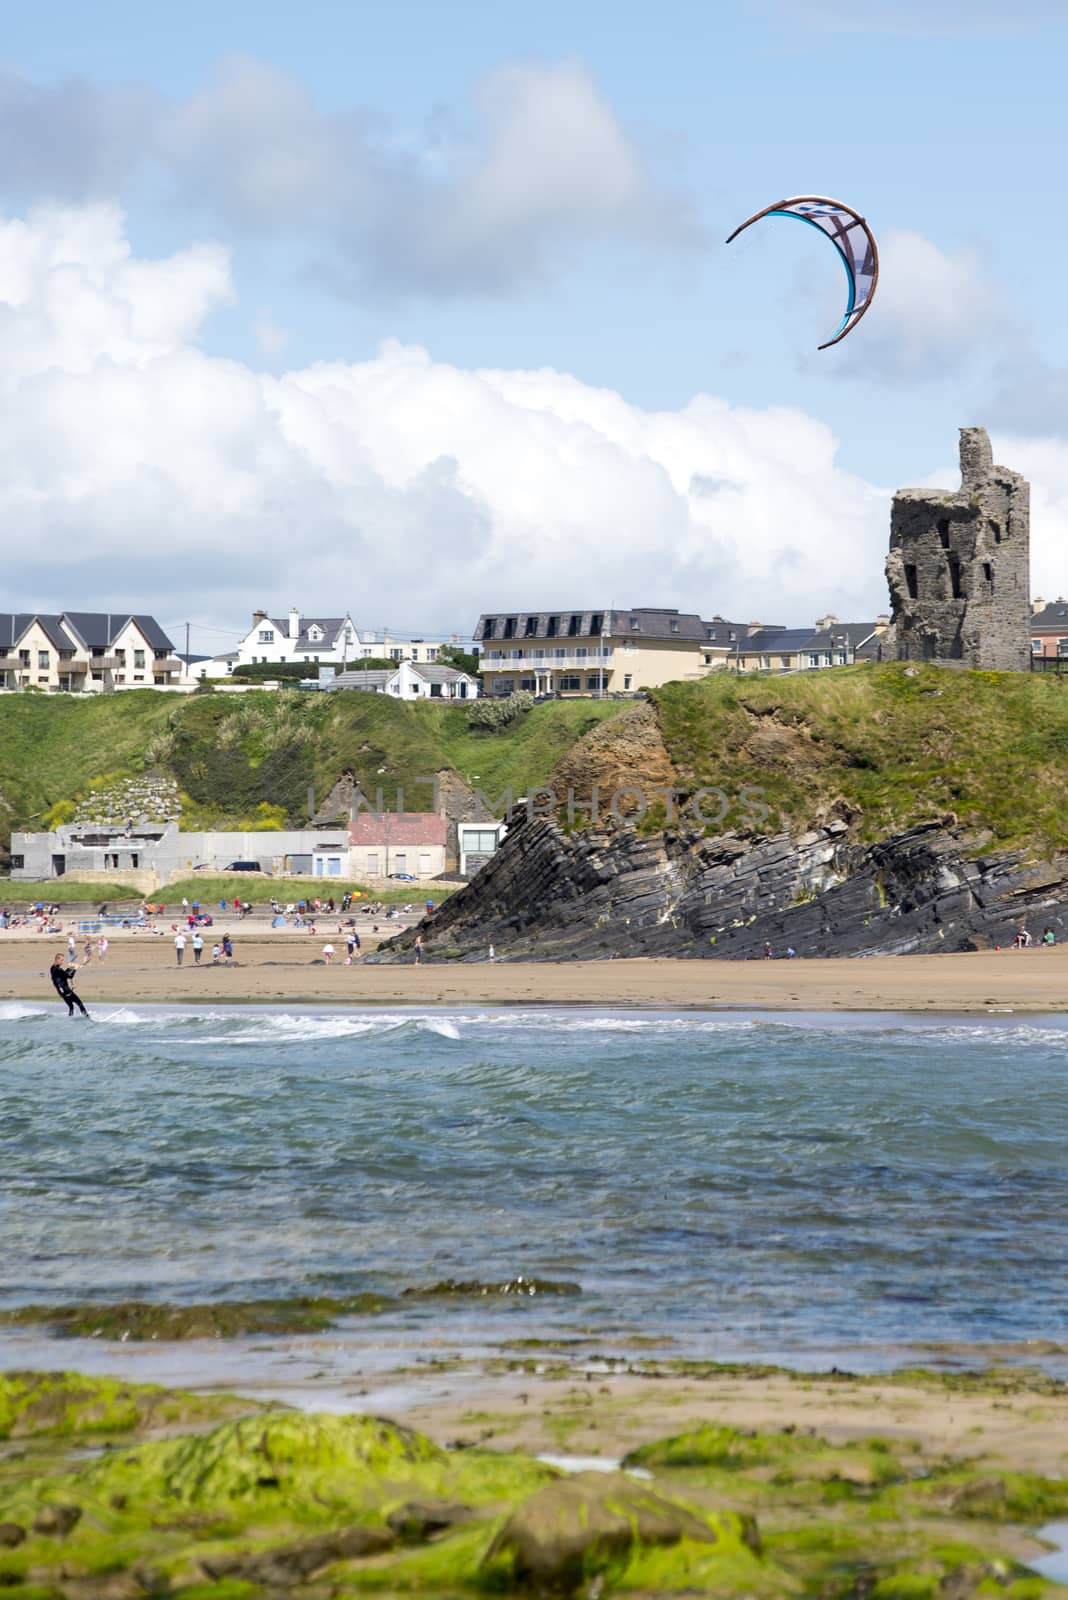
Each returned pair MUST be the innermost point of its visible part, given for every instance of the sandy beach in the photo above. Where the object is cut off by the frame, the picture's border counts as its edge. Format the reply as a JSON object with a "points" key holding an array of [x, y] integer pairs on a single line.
{"points": [[289, 968]]}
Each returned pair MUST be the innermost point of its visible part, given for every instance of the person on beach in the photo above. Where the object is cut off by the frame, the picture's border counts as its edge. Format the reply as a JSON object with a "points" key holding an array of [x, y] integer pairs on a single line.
{"points": [[198, 946], [419, 949], [1022, 939], [179, 947], [216, 952], [62, 978], [328, 953], [767, 951], [228, 950], [492, 955], [101, 947]]}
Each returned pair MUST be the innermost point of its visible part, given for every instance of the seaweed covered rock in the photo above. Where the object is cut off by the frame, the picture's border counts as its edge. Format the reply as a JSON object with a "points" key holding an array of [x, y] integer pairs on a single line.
{"points": [[591, 1524], [61, 1403]]}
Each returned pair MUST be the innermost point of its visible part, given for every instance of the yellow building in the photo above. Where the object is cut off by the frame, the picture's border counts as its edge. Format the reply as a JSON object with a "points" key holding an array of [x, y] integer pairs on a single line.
{"points": [[598, 652]]}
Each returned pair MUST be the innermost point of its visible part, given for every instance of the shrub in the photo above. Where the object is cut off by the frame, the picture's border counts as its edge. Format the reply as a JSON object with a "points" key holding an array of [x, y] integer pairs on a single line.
{"points": [[497, 714]]}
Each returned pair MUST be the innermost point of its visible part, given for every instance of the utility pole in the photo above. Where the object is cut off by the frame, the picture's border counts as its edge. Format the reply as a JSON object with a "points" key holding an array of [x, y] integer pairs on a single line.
{"points": [[187, 649]]}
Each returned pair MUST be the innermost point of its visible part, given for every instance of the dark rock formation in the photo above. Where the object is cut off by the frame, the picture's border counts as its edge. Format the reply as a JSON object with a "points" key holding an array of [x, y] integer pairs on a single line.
{"points": [[603, 893], [959, 567]]}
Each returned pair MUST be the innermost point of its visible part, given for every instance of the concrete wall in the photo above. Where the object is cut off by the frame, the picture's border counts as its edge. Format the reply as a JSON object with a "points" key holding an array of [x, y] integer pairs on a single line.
{"points": [[959, 567], [173, 855]]}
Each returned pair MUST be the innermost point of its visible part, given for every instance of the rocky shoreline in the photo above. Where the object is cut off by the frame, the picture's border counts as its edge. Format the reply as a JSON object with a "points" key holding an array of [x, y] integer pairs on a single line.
{"points": [[836, 1486], [605, 892]]}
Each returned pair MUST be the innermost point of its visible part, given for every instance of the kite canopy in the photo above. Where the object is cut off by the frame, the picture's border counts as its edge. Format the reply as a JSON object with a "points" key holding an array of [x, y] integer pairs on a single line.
{"points": [[851, 237]]}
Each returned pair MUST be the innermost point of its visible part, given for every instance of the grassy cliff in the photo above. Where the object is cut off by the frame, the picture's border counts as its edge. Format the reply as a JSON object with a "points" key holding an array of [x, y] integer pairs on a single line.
{"points": [[234, 754], [882, 746]]}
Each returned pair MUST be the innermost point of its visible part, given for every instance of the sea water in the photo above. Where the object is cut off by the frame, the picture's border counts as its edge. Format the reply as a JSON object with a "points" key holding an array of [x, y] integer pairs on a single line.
{"points": [[733, 1185]]}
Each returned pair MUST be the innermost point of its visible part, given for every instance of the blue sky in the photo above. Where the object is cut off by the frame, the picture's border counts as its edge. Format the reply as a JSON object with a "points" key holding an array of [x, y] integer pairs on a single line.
{"points": [[548, 189]]}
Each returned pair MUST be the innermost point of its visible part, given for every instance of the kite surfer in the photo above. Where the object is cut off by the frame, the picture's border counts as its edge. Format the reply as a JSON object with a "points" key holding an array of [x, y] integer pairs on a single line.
{"points": [[62, 978]]}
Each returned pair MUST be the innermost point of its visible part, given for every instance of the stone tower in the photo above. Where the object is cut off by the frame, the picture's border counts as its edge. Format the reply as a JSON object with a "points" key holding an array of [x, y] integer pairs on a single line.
{"points": [[959, 567]]}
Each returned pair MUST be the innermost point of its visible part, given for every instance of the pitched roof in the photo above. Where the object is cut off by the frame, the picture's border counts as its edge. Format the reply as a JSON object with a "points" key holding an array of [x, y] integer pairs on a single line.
{"points": [[97, 629], [331, 627], [431, 672], [12, 626], [376, 678], [635, 622], [789, 641], [395, 828], [1054, 616]]}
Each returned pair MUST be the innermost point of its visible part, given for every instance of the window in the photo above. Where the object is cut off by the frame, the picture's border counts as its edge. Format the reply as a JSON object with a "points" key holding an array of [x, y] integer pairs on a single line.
{"points": [[42, 660], [161, 655], [400, 861], [711, 632], [552, 627], [315, 634], [495, 655], [560, 655], [732, 636], [135, 859], [581, 651], [593, 681], [18, 862], [424, 863], [574, 627], [528, 683], [570, 681], [635, 623], [943, 532], [265, 636], [1062, 647], [531, 628], [708, 660], [626, 680], [431, 653], [674, 624], [988, 573], [479, 841], [139, 659], [395, 655], [509, 627], [503, 685], [765, 662], [537, 655], [24, 658], [910, 581], [954, 578], [489, 627], [372, 863], [597, 622], [1036, 647]]}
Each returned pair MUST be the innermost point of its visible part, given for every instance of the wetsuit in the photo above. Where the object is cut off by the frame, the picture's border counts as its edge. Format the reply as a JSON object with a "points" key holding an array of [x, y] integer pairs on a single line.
{"points": [[61, 977]]}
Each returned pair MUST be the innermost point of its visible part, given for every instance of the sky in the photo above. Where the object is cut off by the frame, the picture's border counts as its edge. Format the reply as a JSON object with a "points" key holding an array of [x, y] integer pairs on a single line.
{"points": [[419, 311]]}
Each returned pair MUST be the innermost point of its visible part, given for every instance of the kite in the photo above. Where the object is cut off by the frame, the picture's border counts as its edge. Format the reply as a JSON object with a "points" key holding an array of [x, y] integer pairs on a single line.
{"points": [[851, 237]]}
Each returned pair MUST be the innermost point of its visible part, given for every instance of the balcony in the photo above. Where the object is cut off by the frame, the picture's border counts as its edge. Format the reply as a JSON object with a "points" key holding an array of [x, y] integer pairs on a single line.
{"points": [[168, 664], [104, 663], [531, 664]]}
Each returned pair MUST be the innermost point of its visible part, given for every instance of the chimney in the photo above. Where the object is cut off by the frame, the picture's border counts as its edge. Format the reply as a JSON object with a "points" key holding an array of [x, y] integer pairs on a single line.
{"points": [[259, 616], [294, 624], [882, 621], [828, 621], [1037, 605]]}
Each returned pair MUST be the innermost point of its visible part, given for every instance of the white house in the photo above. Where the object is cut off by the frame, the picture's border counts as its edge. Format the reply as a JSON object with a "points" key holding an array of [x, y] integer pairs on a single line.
{"points": [[410, 681], [85, 651], [307, 640]]}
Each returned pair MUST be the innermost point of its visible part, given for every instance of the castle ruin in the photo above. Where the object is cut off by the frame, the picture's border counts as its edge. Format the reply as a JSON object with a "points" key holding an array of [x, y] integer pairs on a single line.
{"points": [[959, 567]]}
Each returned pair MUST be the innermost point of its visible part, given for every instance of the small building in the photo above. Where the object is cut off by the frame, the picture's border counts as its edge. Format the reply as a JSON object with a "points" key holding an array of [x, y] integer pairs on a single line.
{"points": [[476, 843], [408, 681], [383, 844]]}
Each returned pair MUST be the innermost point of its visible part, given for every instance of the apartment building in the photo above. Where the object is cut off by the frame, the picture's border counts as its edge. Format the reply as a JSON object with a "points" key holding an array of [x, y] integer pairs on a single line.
{"points": [[829, 644], [85, 652], [598, 652]]}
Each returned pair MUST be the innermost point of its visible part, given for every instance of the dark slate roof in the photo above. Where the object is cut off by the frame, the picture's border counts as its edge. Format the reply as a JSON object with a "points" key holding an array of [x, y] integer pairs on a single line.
{"points": [[97, 629], [331, 627], [635, 622], [54, 630], [12, 626], [1054, 617], [788, 641]]}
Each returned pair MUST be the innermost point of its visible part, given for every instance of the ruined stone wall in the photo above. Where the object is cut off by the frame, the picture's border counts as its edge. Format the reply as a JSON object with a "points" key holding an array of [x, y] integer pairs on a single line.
{"points": [[959, 567]]}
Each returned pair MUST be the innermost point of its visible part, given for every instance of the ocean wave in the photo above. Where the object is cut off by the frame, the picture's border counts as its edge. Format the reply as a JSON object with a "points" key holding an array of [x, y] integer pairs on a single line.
{"points": [[16, 1011]]}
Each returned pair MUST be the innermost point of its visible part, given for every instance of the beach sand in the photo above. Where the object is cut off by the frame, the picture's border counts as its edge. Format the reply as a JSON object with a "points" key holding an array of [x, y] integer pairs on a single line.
{"points": [[288, 968]]}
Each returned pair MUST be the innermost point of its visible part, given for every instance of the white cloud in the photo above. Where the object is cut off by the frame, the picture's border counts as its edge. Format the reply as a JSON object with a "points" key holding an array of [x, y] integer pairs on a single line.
{"points": [[935, 314], [137, 470], [481, 199]]}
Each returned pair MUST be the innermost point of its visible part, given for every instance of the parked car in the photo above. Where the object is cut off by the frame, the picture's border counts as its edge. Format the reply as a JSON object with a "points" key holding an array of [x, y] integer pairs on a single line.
{"points": [[243, 866], [404, 877]]}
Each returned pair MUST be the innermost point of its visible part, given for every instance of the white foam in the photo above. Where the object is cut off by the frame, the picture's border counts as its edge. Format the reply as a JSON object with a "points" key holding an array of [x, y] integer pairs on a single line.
{"points": [[15, 1011]]}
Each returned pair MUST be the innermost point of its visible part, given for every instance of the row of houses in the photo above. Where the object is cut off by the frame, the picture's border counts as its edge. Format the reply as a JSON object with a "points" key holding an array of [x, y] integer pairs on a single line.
{"points": [[640, 647], [85, 652]]}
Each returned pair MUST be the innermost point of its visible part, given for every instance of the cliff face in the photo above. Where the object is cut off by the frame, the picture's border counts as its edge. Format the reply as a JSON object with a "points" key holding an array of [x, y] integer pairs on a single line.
{"points": [[551, 895]]}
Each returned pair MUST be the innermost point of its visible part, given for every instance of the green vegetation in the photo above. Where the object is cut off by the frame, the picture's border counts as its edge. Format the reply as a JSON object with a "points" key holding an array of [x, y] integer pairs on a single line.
{"points": [[886, 747], [249, 1502], [233, 756], [210, 888]]}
